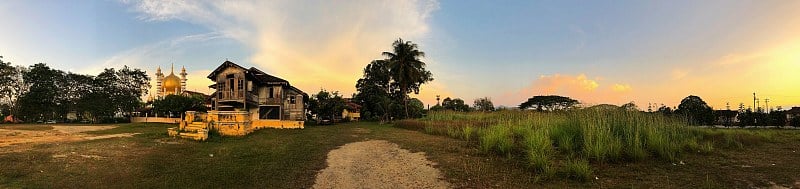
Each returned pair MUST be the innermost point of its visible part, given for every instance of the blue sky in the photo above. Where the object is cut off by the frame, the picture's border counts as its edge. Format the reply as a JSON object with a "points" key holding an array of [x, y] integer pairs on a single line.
{"points": [[597, 52]]}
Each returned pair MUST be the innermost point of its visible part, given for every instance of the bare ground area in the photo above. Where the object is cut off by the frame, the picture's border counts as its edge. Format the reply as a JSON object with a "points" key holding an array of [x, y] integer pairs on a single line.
{"points": [[378, 164], [21, 137]]}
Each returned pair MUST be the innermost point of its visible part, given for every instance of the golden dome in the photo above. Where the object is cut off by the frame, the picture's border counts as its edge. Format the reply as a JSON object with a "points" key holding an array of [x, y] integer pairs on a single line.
{"points": [[171, 85]]}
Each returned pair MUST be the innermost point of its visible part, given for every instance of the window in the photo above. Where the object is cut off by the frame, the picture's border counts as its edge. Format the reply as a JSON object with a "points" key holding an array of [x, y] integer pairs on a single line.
{"points": [[292, 100], [269, 112], [271, 92], [241, 84]]}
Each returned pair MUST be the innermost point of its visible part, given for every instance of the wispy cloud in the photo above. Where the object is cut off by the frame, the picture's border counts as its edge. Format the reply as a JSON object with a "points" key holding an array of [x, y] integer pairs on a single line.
{"points": [[313, 44], [580, 87]]}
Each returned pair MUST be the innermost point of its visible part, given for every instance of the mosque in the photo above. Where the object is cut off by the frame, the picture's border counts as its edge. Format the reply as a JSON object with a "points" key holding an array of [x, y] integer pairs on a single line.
{"points": [[171, 84]]}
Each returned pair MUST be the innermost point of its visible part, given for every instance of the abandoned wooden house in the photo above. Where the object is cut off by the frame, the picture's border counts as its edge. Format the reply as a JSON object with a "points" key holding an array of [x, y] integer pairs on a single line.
{"points": [[245, 100]]}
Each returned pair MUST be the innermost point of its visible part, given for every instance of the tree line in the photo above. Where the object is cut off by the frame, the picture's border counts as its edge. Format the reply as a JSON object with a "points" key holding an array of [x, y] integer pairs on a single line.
{"points": [[692, 108], [38, 92]]}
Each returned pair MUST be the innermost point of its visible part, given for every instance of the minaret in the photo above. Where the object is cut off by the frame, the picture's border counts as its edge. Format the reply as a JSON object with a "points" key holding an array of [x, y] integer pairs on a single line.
{"points": [[183, 78], [159, 78]]}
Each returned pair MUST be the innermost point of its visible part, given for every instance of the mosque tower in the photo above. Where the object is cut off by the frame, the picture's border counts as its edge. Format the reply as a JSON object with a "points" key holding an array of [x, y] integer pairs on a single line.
{"points": [[183, 78], [159, 79]]}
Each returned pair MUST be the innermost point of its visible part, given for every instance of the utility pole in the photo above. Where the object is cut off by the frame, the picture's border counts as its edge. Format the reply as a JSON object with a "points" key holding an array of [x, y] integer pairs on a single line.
{"points": [[754, 102], [766, 103]]}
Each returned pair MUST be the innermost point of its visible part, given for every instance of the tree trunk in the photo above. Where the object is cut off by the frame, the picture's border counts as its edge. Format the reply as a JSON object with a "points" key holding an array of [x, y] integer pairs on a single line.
{"points": [[405, 101]]}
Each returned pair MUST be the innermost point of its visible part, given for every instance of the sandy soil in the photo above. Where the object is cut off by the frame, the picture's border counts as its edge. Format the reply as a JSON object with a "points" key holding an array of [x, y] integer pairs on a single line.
{"points": [[59, 133], [378, 164]]}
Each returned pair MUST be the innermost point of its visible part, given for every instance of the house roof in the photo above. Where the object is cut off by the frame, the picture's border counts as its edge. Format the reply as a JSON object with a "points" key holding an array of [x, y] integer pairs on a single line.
{"points": [[266, 78], [794, 110], [224, 65], [255, 74]]}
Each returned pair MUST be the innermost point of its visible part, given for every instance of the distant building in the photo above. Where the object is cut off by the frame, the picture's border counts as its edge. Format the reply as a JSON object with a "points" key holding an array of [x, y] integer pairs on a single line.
{"points": [[352, 111], [170, 84], [726, 117]]}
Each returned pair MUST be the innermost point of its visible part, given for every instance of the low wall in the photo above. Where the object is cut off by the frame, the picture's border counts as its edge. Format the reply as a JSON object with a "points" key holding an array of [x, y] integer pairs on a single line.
{"points": [[155, 120], [281, 124]]}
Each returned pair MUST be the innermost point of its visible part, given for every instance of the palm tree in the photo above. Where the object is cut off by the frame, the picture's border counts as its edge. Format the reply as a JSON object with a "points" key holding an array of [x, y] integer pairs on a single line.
{"points": [[407, 71]]}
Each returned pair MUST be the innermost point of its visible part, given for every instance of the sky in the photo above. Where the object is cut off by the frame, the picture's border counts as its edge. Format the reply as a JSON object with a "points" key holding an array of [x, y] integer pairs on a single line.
{"points": [[647, 52]]}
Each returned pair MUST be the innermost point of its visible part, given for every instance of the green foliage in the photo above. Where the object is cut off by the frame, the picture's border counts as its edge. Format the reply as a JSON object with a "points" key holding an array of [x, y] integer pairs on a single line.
{"points": [[45, 93], [455, 105], [483, 104], [381, 97], [795, 122], [578, 169], [407, 71], [498, 139], [696, 110], [326, 105], [549, 103], [178, 104]]}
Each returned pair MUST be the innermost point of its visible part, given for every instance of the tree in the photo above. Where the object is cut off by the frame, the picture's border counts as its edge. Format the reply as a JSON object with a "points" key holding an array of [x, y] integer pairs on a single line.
{"points": [[417, 108], [131, 86], [549, 103], [406, 70], [696, 110], [776, 118], [455, 104], [630, 106], [326, 104], [41, 101], [795, 122], [376, 92], [179, 104], [483, 104], [7, 74], [665, 110]]}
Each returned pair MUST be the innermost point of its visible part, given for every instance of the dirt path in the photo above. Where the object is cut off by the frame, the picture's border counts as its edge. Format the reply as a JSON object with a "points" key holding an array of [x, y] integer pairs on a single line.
{"points": [[58, 133], [378, 164]]}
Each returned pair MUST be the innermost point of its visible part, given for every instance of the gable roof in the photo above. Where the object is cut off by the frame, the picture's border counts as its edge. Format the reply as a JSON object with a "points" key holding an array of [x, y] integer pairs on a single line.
{"points": [[255, 74], [266, 78], [224, 65]]}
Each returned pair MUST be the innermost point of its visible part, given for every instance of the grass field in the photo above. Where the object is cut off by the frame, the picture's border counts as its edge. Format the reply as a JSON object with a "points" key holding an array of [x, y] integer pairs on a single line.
{"points": [[562, 144], [274, 158]]}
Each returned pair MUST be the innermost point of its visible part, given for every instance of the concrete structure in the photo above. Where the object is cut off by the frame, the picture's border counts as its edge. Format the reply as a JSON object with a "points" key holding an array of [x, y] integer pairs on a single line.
{"points": [[245, 100]]}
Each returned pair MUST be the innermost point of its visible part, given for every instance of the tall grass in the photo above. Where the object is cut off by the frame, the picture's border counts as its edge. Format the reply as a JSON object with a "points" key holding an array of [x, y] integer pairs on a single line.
{"points": [[581, 136]]}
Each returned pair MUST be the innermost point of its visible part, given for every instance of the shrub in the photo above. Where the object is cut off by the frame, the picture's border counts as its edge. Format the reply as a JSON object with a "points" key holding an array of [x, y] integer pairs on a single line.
{"points": [[578, 169], [498, 139]]}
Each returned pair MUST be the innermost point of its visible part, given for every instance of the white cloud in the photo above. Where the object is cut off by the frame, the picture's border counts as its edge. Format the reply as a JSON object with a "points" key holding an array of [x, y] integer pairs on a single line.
{"points": [[313, 44]]}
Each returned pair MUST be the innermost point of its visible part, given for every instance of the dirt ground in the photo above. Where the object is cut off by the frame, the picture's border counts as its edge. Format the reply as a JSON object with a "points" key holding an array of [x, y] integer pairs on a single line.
{"points": [[18, 137], [378, 164]]}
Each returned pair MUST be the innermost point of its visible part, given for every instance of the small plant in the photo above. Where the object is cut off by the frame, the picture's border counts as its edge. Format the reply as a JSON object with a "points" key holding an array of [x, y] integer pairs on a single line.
{"points": [[578, 169], [706, 147], [497, 139]]}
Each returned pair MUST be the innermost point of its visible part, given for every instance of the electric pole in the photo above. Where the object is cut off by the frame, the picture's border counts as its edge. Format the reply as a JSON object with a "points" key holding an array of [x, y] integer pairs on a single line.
{"points": [[766, 103], [754, 102]]}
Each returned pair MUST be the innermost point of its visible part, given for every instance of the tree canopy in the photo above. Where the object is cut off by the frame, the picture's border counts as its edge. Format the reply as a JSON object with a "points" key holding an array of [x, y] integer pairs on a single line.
{"points": [[696, 110], [483, 104], [549, 103], [39, 92], [174, 105], [326, 105], [383, 89], [455, 104], [407, 71]]}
